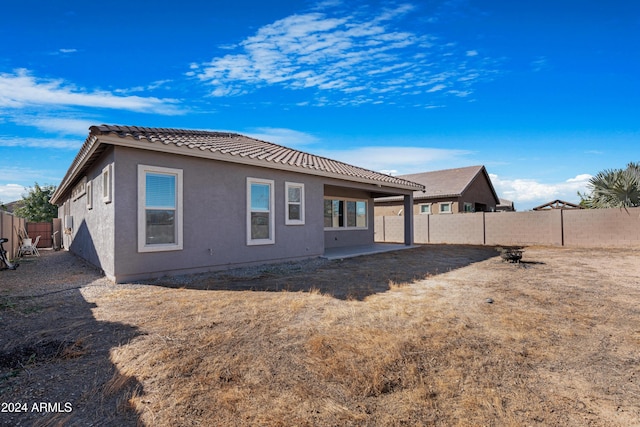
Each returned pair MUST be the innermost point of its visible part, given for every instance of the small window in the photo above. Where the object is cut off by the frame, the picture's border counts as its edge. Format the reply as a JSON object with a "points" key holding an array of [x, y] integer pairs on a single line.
{"points": [[159, 209], [106, 183], [260, 215], [294, 203], [425, 209], [89, 189], [468, 207], [445, 208]]}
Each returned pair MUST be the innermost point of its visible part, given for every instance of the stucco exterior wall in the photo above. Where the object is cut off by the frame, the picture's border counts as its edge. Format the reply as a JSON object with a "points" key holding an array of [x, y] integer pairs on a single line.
{"points": [[478, 192], [91, 235], [215, 218]]}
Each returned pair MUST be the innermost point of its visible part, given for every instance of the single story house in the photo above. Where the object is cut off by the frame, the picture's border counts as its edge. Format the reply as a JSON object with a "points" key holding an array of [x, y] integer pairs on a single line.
{"points": [[146, 202], [448, 191]]}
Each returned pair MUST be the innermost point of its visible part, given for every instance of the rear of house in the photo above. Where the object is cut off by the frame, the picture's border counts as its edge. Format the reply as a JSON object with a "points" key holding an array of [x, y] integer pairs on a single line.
{"points": [[146, 202]]}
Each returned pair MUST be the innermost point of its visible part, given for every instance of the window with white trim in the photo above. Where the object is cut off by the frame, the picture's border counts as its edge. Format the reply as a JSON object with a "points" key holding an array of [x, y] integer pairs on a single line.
{"points": [[159, 209], [345, 213], [260, 211], [106, 183], [445, 208], [425, 208], [294, 203]]}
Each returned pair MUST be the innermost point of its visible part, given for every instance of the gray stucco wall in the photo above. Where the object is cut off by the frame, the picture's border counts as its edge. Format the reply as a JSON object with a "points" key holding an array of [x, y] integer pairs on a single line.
{"points": [[214, 217], [91, 235]]}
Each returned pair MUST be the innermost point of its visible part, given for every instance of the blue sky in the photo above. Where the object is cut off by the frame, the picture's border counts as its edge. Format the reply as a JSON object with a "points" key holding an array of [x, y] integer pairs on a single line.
{"points": [[545, 94]]}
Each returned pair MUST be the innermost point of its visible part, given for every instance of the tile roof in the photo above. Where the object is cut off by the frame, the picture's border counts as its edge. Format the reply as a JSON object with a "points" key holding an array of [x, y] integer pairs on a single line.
{"points": [[445, 183], [231, 147]]}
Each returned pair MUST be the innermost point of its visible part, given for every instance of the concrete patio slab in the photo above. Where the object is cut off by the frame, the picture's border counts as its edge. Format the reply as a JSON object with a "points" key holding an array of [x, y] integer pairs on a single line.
{"points": [[354, 251]]}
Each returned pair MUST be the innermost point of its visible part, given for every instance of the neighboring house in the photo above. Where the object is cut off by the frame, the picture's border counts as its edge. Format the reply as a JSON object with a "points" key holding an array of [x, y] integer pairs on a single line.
{"points": [[11, 206], [505, 206], [557, 204], [145, 202], [467, 189]]}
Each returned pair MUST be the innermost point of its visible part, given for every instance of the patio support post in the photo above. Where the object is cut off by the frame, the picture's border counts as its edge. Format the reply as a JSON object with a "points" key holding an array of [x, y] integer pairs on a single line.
{"points": [[408, 219]]}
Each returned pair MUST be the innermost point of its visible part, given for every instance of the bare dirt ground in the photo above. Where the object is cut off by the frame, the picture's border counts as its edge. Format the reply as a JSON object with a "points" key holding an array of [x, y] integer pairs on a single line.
{"points": [[437, 335]]}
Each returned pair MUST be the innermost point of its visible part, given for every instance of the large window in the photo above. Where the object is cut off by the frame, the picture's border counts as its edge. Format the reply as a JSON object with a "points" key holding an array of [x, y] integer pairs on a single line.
{"points": [[345, 213], [159, 209], [260, 215], [294, 202]]}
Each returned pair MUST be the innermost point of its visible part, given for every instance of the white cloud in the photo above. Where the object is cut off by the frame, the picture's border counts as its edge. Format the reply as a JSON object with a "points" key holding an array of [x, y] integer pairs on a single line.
{"points": [[341, 52], [60, 143], [20, 90], [65, 126], [530, 192], [400, 160], [287, 137], [11, 192], [539, 64]]}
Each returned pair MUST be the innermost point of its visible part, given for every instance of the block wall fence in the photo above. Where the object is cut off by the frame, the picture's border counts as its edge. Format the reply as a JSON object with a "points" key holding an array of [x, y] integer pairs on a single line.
{"points": [[571, 228], [9, 225]]}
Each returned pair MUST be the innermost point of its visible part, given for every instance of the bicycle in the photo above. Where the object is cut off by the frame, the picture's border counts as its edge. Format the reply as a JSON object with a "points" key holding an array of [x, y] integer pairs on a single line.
{"points": [[3, 257]]}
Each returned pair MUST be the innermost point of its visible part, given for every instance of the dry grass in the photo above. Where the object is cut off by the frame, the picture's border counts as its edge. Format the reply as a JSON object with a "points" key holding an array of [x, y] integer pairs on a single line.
{"points": [[404, 338], [558, 346]]}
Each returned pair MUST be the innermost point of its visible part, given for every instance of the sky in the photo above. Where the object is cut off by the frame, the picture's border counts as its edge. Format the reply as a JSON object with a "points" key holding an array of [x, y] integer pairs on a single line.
{"points": [[545, 93]]}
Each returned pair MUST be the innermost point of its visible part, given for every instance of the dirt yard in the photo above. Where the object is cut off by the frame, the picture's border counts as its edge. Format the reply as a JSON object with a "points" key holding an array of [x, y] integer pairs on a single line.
{"points": [[437, 335]]}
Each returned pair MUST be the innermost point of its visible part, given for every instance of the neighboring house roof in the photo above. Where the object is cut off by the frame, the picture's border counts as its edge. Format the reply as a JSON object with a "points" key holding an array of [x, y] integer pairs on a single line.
{"points": [[446, 183], [505, 204], [223, 146], [557, 204], [11, 206]]}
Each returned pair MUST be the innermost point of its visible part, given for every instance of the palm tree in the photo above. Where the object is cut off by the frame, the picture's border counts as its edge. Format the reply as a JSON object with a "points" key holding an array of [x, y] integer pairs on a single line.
{"points": [[614, 188]]}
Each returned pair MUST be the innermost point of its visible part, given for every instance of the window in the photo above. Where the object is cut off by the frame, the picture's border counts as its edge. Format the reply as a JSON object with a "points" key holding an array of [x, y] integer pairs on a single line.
{"points": [[89, 189], [159, 209], [425, 209], [294, 203], [468, 207], [445, 208], [260, 215], [106, 183], [345, 213]]}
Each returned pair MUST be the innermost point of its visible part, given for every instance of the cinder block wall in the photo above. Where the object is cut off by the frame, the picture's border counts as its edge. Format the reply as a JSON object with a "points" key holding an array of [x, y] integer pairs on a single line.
{"points": [[524, 228], [393, 229], [421, 228], [466, 229], [602, 227], [577, 228]]}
